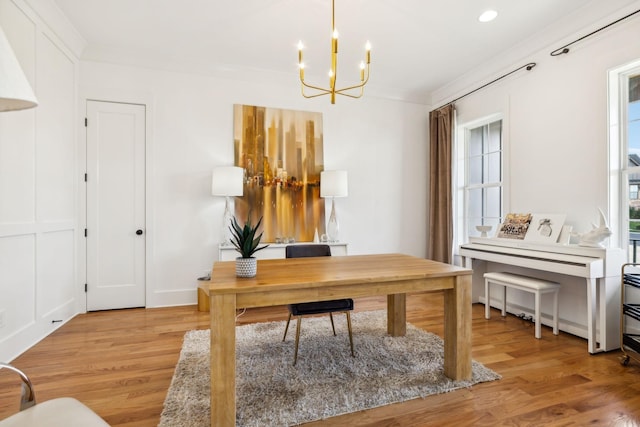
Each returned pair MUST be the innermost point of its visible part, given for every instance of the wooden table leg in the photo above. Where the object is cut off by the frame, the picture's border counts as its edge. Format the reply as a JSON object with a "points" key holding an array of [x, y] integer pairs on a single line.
{"points": [[223, 360], [397, 315], [457, 329]]}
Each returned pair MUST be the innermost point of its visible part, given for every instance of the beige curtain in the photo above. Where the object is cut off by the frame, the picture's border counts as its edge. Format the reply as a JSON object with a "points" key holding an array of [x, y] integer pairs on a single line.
{"points": [[440, 238]]}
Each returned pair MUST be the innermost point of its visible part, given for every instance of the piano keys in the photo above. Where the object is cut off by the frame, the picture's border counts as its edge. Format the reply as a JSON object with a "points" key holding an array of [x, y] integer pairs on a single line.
{"points": [[600, 267]]}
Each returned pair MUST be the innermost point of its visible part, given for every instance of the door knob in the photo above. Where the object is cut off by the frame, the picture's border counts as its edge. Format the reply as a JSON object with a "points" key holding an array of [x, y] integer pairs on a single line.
{"points": [[139, 232]]}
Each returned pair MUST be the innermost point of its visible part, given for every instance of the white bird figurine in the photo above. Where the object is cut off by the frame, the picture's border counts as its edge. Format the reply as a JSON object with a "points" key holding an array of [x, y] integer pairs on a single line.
{"points": [[597, 235]]}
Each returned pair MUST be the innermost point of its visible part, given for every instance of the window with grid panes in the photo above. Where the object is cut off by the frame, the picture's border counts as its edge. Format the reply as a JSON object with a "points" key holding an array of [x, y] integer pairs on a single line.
{"points": [[483, 177]]}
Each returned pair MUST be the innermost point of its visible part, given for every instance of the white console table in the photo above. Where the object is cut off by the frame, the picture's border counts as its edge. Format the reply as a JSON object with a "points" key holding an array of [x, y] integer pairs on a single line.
{"points": [[276, 250]]}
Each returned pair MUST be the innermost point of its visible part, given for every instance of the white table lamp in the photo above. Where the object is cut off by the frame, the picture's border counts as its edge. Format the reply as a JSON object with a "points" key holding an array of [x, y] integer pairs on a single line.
{"points": [[227, 181], [333, 184], [15, 91]]}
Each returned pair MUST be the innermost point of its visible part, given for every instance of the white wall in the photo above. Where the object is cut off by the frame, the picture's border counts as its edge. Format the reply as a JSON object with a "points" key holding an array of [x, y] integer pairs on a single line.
{"points": [[382, 144], [555, 124], [556, 133], [556, 121], [39, 289]]}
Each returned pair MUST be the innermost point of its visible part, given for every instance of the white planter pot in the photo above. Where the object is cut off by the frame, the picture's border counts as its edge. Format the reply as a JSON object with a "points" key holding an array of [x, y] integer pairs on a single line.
{"points": [[246, 267]]}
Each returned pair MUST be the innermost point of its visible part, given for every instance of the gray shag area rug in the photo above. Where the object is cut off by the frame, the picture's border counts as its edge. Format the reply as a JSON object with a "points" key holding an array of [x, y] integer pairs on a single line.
{"points": [[326, 380]]}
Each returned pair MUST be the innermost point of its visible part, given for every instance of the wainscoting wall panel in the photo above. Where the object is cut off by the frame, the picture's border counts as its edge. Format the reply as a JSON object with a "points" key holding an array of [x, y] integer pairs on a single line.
{"points": [[17, 283], [55, 274], [39, 285]]}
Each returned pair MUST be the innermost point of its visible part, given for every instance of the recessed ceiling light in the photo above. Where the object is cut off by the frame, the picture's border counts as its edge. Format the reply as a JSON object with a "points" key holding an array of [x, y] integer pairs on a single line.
{"points": [[488, 15]]}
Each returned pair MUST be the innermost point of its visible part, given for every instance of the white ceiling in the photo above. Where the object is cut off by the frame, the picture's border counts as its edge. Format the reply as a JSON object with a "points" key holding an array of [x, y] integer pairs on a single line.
{"points": [[418, 45]]}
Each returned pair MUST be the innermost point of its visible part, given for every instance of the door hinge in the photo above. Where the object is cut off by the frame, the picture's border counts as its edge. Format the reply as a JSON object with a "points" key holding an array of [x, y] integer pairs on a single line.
{"points": [[85, 177], [85, 287], [85, 232], [85, 122]]}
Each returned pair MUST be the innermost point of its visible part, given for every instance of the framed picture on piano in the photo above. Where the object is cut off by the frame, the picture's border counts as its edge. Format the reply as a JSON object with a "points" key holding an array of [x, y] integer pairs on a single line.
{"points": [[545, 228], [515, 226]]}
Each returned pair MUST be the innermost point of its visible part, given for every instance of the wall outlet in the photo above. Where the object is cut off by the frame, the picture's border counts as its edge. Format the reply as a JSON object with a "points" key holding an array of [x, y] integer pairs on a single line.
{"points": [[1, 319]]}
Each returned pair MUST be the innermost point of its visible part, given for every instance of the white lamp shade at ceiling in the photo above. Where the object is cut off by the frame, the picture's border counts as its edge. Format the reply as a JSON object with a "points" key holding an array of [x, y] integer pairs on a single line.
{"points": [[333, 184], [15, 91], [227, 181]]}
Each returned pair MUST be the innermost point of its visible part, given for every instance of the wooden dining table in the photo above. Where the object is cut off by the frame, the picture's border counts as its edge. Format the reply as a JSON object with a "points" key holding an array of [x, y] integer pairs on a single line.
{"points": [[295, 280]]}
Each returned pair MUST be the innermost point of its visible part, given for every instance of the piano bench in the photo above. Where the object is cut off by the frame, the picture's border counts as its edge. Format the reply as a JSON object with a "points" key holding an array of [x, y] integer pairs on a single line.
{"points": [[523, 283]]}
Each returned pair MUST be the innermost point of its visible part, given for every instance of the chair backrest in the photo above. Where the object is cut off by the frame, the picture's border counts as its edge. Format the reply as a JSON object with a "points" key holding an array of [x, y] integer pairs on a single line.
{"points": [[302, 251]]}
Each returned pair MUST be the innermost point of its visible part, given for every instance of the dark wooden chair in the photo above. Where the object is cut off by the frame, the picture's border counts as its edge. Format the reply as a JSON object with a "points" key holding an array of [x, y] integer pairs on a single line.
{"points": [[317, 307]]}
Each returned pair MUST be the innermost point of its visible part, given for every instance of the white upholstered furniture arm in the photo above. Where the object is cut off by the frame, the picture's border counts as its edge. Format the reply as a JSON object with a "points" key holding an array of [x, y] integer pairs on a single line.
{"points": [[60, 412], [27, 397]]}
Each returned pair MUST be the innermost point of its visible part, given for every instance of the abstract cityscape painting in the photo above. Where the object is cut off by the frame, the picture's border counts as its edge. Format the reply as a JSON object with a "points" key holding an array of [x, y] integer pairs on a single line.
{"points": [[282, 156]]}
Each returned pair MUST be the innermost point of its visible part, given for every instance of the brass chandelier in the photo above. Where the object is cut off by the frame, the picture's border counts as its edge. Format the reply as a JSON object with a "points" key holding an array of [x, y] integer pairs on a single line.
{"points": [[333, 72]]}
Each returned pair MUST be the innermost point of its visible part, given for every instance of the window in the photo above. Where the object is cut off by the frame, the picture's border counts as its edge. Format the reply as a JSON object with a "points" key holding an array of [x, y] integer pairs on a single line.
{"points": [[479, 200], [633, 168], [624, 167]]}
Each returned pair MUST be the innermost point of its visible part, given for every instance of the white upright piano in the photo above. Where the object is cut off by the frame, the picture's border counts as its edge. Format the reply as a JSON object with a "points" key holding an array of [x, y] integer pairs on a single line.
{"points": [[600, 267]]}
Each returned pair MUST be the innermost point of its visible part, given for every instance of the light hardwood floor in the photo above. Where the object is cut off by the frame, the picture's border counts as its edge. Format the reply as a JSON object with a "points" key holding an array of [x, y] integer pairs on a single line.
{"points": [[120, 363]]}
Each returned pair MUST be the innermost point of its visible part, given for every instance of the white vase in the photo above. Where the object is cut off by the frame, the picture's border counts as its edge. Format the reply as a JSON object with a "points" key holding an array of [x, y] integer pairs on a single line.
{"points": [[246, 267]]}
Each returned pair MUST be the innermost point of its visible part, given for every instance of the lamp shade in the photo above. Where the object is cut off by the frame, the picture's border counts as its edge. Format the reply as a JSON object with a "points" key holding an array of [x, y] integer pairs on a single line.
{"points": [[15, 91], [227, 181], [333, 184]]}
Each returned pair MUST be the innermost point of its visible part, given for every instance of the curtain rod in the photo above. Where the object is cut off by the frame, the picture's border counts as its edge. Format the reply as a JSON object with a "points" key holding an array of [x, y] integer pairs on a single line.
{"points": [[565, 49], [528, 66]]}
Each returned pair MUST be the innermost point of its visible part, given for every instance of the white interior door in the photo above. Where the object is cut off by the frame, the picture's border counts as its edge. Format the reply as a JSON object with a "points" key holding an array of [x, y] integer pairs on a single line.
{"points": [[115, 205]]}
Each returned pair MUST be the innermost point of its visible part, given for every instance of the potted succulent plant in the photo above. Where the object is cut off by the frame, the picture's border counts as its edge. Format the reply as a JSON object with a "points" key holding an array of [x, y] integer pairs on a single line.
{"points": [[246, 243]]}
